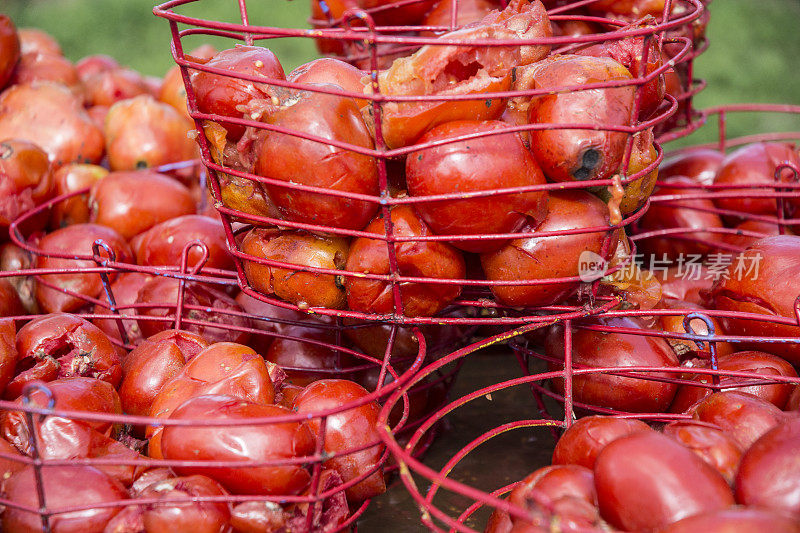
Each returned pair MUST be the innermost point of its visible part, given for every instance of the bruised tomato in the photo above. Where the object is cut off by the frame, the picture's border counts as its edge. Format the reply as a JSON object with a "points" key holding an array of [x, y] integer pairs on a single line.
{"points": [[710, 443], [9, 49], [647, 480], [134, 201], [436, 70], [485, 163], [26, 179], [292, 159], [587, 437], [264, 441], [74, 240], [226, 95], [142, 132], [61, 346], [346, 430], [300, 249], [72, 178], [159, 297], [152, 364], [596, 349], [49, 115], [414, 258], [578, 154], [685, 349], [536, 258], [63, 486]]}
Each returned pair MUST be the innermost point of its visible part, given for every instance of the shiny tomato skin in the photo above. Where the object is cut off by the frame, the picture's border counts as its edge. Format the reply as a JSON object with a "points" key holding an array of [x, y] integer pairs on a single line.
{"points": [[743, 416], [163, 244], [492, 162], [587, 437], [26, 178], [240, 443], [647, 480], [189, 517], [9, 49], [698, 164], [346, 430], [70, 178], [710, 443], [736, 520]]}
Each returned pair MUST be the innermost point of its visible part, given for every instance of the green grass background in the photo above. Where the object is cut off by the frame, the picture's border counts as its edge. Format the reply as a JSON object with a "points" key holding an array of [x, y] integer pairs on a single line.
{"points": [[754, 54]]}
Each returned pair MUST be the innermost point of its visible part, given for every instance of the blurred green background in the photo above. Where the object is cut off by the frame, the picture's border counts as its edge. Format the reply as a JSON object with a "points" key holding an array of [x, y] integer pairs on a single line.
{"points": [[753, 57]]}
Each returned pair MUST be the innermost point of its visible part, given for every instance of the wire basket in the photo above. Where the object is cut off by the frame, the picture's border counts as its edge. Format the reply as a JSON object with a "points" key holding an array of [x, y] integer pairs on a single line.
{"points": [[392, 144]]}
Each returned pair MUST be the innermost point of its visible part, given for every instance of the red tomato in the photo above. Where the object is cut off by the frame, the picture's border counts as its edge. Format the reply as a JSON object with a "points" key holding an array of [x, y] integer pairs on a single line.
{"points": [[163, 244], [329, 70], [142, 132], [587, 437], [125, 290], [10, 302], [535, 258], [686, 283], [71, 178], [647, 480], [345, 431], [161, 295], [9, 49], [94, 64], [467, 11], [292, 159], [43, 67], [188, 517], [26, 179], [743, 416], [64, 486], [74, 240], [633, 8], [8, 352], [595, 349], [12, 257], [38, 41], [496, 161], [135, 201], [109, 86], [710, 443], [152, 364], [49, 115], [172, 91], [740, 520], [62, 346], [768, 473], [262, 442], [686, 349], [698, 164], [430, 259]]}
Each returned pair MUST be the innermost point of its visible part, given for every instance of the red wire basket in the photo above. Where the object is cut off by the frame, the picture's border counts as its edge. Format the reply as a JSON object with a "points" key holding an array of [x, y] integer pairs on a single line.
{"points": [[321, 504], [393, 276]]}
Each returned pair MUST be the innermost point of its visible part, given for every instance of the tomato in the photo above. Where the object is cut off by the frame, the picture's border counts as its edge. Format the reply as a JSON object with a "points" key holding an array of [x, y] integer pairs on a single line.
{"points": [[334, 71], [761, 363], [536, 258], [64, 486], [161, 296], [8, 352], [221, 368], [163, 244], [132, 202], [428, 259], [694, 215], [468, 11], [262, 442], [301, 249], [9, 466], [125, 289], [12, 257], [633, 8], [576, 154], [37, 41], [765, 229], [496, 161], [292, 159], [154, 363], [61, 346], [93, 64], [171, 90], [764, 279], [647, 480], [636, 192], [580, 444], [109, 86], [41, 67], [436, 70], [188, 517], [226, 95], [698, 164], [347, 430], [686, 349], [769, 471], [74, 240], [49, 115], [302, 360], [741, 520], [708, 442], [743, 416], [69, 394], [595, 349], [754, 165], [9, 49], [686, 283], [142, 132], [71, 178]]}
